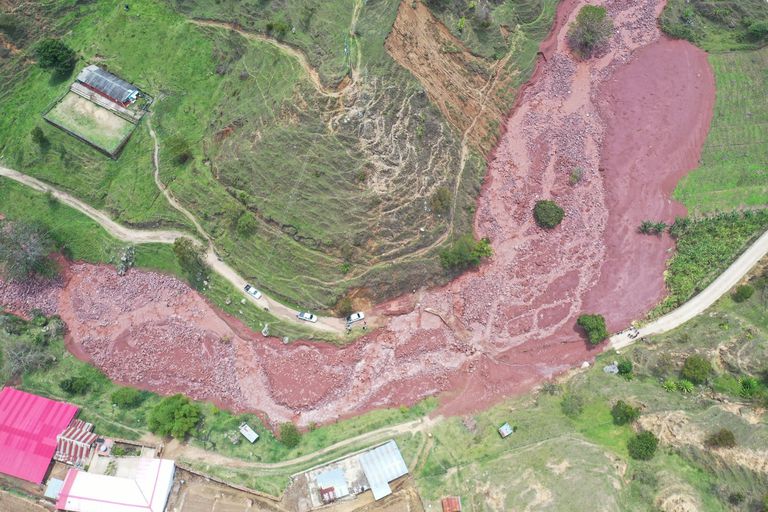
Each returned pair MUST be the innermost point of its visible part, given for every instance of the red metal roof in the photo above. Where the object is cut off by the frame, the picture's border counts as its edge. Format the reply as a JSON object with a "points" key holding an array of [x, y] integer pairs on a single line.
{"points": [[29, 425], [451, 504]]}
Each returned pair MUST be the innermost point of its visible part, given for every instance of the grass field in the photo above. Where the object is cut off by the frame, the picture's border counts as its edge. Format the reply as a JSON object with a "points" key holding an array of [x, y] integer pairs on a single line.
{"points": [[93, 123], [306, 196], [555, 462], [734, 161]]}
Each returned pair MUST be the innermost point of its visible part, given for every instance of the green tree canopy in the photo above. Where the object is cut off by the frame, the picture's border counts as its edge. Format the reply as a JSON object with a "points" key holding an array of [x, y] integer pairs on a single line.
{"points": [[465, 252], [174, 416], [547, 214], [594, 326], [55, 55], [696, 369], [590, 31], [624, 413], [643, 446], [127, 398], [24, 249], [289, 435]]}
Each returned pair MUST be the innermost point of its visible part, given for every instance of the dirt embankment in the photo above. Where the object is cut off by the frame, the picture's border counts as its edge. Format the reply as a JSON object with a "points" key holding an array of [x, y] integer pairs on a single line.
{"points": [[455, 80], [632, 123]]}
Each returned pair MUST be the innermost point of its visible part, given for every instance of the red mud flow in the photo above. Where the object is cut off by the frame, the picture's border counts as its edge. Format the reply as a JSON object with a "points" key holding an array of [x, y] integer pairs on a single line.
{"points": [[633, 118]]}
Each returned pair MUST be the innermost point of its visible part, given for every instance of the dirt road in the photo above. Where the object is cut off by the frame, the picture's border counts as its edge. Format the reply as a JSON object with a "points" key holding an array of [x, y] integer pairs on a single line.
{"points": [[698, 304], [143, 236]]}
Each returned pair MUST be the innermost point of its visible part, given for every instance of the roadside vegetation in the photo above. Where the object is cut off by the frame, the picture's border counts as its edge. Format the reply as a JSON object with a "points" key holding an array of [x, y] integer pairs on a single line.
{"points": [[630, 441], [705, 247]]}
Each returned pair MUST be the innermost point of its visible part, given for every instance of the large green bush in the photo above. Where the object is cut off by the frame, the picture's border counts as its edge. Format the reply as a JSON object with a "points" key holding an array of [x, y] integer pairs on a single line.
{"points": [[723, 438], [174, 416], [696, 369], [594, 326], [624, 413], [590, 31], [465, 252], [55, 55], [75, 385], [127, 398], [643, 446], [742, 293], [289, 435], [548, 214]]}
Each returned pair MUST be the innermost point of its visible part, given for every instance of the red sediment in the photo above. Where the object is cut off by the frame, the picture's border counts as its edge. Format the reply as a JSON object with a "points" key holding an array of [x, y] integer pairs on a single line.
{"points": [[633, 118]]}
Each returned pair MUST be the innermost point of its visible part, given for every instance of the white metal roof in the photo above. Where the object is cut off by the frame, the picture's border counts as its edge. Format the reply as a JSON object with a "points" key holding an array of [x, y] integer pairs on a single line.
{"points": [[147, 492], [248, 432], [382, 465]]}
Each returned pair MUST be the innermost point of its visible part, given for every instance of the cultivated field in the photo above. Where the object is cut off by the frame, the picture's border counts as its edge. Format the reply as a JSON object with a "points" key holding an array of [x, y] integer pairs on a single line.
{"points": [[734, 162], [91, 122]]}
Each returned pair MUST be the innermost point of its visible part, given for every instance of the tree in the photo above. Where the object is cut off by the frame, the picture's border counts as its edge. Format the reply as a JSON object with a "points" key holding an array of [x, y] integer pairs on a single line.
{"points": [[191, 259], [742, 293], [345, 307], [440, 202], [39, 138], [127, 398], [174, 416], [24, 249], [75, 385], [625, 367], [590, 31], [465, 252], [624, 413], [572, 404], [289, 435], [643, 446], [21, 356], [594, 326], [758, 30], [723, 438], [548, 214], [696, 369], [246, 224], [55, 55]]}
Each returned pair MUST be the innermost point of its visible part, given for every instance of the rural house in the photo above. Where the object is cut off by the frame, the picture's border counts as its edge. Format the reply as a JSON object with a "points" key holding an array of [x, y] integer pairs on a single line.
{"points": [[108, 85]]}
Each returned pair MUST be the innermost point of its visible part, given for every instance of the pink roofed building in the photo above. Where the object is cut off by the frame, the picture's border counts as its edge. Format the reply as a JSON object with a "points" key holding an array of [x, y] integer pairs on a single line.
{"points": [[29, 425]]}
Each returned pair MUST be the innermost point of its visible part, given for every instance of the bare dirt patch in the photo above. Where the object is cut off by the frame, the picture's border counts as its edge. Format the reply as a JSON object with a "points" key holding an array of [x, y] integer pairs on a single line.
{"points": [[490, 333], [454, 78]]}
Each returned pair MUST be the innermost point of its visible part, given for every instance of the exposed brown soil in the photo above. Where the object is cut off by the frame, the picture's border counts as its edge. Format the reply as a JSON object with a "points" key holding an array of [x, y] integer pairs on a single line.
{"points": [[640, 116], [455, 80]]}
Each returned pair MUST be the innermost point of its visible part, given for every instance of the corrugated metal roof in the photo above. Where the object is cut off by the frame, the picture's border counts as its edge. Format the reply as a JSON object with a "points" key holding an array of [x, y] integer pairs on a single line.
{"points": [[75, 445], [29, 425], [107, 83], [147, 492], [451, 504], [382, 465]]}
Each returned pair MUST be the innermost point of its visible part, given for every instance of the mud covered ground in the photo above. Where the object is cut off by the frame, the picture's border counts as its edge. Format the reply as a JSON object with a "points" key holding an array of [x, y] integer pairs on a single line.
{"points": [[634, 119]]}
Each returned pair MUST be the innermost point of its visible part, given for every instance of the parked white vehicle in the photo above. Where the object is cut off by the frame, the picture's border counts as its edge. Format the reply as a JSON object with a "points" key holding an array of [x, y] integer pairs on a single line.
{"points": [[307, 317], [355, 317], [250, 290]]}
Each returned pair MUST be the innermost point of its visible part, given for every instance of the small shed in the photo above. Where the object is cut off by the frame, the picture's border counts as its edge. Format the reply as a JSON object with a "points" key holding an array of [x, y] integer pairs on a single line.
{"points": [[248, 432], [108, 85], [506, 430], [75, 446], [451, 504]]}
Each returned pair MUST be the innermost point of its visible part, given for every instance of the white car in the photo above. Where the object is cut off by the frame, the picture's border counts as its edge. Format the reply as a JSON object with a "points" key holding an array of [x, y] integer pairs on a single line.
{"points": [[250, 290], [355, 317], [307, 317]]}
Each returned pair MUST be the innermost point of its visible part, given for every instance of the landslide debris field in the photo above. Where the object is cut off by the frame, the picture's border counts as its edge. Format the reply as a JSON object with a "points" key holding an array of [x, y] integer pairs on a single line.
{"points": [[293, 131], [491, 332]]}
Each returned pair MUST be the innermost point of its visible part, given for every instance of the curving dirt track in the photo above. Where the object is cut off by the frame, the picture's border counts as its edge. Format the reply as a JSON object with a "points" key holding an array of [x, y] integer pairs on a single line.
{"points": [[634, 118]]}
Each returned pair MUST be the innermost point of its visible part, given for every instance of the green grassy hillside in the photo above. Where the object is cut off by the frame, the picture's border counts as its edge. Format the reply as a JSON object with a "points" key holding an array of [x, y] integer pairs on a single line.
{"points": [[309, 190]]}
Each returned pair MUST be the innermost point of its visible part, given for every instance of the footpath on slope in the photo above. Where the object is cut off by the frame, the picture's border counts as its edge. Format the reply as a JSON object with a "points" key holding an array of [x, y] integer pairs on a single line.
{"points": [[490, 333], [142, 236]]}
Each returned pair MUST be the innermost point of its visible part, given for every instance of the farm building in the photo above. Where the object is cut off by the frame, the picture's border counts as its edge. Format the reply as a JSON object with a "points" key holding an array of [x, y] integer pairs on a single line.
{"points": [[108, 85], [75, 446], [381, 466], [29, 426], [145, 490]]}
